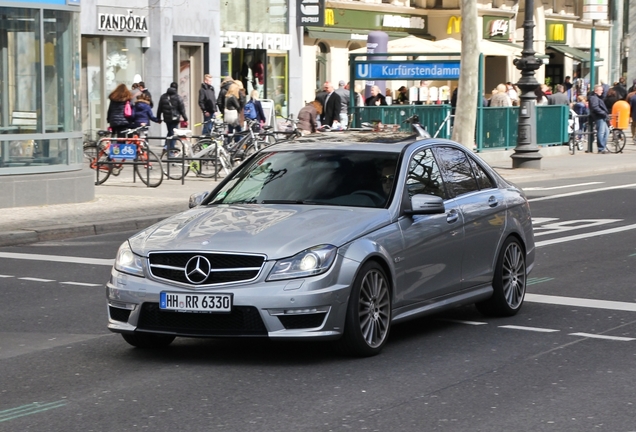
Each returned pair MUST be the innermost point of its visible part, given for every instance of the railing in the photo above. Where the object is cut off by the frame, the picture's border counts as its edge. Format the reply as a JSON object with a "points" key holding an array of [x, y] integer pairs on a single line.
{"points": [[498, 125]]}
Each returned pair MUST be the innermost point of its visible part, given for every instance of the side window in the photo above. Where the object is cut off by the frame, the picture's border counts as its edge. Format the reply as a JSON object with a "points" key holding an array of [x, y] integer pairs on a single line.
{"points": [[459, 174], [483, 180], [424, 176]]}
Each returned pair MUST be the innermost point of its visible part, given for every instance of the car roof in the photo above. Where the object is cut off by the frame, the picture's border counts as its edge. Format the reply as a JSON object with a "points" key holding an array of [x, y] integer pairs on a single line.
{"points": [[350, 140]]}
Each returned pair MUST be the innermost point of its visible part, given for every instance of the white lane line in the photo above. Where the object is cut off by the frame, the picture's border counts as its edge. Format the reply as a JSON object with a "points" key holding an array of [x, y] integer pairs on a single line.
{"points": [[582, 192], [82, 284], [36, 279], [559, 187], [6, 276], [596, 336], [534, 329], [586, 235], [475, 323], [57, 258], [581, 302]]}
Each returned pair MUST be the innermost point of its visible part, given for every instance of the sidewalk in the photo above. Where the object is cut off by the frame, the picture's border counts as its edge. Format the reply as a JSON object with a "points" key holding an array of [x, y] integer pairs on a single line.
{"points": [[121, 205]]}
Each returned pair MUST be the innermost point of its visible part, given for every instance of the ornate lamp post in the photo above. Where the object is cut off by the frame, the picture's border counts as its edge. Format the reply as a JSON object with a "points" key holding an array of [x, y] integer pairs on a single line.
{"points": [[526, 153]]}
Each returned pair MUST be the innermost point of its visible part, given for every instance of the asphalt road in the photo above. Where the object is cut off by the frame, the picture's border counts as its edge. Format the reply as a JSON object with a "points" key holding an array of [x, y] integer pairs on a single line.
{"points": [[566, 362]]}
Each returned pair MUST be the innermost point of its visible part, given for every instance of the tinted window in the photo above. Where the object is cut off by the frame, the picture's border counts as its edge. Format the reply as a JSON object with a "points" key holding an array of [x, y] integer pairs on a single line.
{"points": [[424, 176], [458, 171], [332, 177], [483, 180]]}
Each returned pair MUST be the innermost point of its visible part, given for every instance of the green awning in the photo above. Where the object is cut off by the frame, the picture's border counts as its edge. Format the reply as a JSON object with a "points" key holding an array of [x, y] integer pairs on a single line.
{"points": [[345, 34], [573, 53]]}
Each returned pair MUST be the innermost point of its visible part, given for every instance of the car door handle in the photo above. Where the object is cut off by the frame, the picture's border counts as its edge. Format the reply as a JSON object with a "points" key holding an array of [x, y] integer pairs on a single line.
{"points": [[492, 201], [452, 216]]}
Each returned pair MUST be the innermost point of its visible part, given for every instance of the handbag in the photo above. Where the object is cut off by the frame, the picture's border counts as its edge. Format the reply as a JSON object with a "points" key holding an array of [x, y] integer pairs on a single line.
{"points": [[127, 110], [231, 116]]}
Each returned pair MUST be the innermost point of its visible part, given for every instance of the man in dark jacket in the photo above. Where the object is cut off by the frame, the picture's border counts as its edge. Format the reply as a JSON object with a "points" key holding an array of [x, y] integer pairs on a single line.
{"points": [[599, 115], [207, 103], [332, 106], [220, 102], [171, 108]]}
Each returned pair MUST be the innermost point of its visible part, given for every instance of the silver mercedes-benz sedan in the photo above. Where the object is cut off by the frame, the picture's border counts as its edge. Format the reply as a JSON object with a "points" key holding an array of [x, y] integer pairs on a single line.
{"points": [[328, 241]]}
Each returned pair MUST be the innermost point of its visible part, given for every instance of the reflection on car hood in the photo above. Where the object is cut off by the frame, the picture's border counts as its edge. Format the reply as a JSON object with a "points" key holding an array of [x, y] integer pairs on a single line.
{"points": [[277, 231]]}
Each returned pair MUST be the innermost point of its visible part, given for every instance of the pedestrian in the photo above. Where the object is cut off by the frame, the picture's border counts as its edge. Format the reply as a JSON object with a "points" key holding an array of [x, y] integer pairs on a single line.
{"points": [[632, 114], [134, 92], [376, 98], [332, 106], [307, 117], [512, 94], [233, 109], [402, 96], [500, 98], [632, 88], [568, 87], [253, 109], [344, 102], [144, 90], [142, 113], [610, 99], [541, 97], [581, 110], [225, 85], [606, 88], [560, 97], [171, 108], [207, 103], [116, 118], [359, 98], [620, 88], [598, 116]]}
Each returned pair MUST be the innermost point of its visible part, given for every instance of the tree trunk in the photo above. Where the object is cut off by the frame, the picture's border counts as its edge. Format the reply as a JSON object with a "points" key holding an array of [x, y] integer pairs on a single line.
{"points": [[466, 111]]}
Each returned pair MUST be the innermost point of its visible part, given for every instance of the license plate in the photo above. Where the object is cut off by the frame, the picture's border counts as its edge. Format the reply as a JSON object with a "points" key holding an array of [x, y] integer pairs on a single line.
{"points": [[182, 302]]}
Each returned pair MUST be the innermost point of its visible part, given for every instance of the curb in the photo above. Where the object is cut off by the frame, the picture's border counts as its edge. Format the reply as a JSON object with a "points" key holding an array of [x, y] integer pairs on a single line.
{"points": [[21, 237]]}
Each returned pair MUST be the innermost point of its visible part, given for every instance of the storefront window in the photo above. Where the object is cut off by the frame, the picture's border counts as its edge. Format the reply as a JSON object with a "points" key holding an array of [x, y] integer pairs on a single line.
{"points": [[20, 71], [60, 70], [123, 61], [277, 82], [92, 113]]}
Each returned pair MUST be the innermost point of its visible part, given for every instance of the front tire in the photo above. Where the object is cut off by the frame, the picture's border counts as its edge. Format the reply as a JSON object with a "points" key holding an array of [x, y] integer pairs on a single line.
{"points": [[148, 340], [509, 282], [368, 319]]}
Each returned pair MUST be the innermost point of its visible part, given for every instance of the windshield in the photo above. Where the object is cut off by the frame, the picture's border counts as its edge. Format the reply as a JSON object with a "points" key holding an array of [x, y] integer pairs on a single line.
{"points": [[332, 177]]}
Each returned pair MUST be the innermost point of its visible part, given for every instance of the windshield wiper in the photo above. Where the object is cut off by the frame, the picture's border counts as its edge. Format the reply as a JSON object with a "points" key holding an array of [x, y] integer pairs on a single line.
{"points": [[288, 202]]}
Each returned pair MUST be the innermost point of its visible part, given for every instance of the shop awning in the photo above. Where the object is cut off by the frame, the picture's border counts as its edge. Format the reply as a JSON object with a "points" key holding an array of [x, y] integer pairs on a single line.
{"points": [[573, 53]]}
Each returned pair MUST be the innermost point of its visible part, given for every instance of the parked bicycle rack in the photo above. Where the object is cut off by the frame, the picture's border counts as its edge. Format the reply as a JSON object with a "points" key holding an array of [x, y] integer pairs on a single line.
{"points": [[105, 145]]}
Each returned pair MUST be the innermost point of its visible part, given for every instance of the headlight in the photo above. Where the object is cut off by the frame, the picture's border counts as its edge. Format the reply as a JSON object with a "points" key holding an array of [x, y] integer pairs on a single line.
{"points": [[128, 262], [309, 262]]}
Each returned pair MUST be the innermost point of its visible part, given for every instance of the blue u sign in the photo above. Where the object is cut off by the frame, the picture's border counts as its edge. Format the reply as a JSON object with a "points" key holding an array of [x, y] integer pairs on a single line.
{"points": [[425, 70]]}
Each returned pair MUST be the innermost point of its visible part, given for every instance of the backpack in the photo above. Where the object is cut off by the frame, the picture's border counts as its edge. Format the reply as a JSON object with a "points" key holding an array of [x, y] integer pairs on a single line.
{"points": [[250, 111]]}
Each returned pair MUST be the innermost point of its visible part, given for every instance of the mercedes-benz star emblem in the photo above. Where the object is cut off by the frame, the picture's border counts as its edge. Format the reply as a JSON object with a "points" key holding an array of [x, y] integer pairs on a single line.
{"points": [[197, 269]]}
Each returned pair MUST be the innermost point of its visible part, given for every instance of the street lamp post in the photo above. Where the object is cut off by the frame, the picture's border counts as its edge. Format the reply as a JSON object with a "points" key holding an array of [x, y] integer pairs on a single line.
{"points": [[526, 153]]}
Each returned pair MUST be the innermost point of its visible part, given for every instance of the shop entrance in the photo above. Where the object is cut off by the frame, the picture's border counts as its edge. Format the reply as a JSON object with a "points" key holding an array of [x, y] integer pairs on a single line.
{"points": [[189, 75]]}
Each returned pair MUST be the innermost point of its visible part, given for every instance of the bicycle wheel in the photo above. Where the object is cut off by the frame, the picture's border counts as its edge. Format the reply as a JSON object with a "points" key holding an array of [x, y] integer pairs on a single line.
{"points": [[93, 154], [150, 171], [616, 142], [175, 167], [207, 165]]}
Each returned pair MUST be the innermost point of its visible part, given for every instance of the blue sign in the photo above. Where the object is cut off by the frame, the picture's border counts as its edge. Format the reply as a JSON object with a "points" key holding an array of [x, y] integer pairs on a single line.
{"points": [[425, 70], [123, 151]]}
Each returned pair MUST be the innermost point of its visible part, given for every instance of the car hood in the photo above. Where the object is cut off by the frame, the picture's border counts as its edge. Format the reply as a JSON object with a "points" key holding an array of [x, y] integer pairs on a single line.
{"points": [[277, 231]]}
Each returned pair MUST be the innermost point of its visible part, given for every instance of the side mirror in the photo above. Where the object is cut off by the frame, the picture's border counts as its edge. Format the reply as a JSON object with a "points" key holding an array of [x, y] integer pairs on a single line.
{"points": [[426, 204], [196, 199]]}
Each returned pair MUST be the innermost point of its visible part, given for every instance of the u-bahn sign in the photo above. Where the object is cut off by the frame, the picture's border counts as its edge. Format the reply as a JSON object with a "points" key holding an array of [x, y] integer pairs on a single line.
{"points": [[424, 70]]}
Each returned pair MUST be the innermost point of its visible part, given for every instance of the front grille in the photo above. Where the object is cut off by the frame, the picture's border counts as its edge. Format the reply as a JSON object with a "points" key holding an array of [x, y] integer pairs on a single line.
{"points": [[119, 314], [242, 321], [224, 268], [303, 321]]}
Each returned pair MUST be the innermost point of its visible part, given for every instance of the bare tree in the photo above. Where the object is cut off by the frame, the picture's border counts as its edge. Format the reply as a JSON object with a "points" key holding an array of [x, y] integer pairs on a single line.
{"points": [[466, 111]]}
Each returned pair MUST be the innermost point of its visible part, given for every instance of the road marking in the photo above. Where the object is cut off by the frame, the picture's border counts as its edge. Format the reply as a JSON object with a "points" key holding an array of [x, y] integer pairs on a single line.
{"points": [[6, 276], [586, 235], [581, 302], [82, 284], [539, 188], [475, 323], [569, 225], [36, 279], [24, 410], [57, 258], [534, 281], [534, 329], [596, 336], [582, 192]]}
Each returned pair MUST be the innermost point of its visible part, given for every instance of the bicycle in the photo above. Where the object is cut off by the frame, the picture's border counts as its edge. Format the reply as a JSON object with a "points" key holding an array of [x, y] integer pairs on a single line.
{"points": [[109, 155], [576, 133], [616, 138]]}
